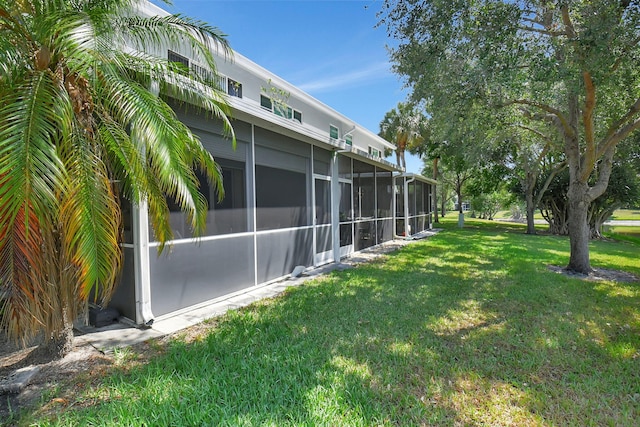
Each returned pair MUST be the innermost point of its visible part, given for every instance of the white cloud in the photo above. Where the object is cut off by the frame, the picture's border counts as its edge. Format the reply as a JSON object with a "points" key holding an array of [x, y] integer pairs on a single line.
{"points": [[358, 77]]}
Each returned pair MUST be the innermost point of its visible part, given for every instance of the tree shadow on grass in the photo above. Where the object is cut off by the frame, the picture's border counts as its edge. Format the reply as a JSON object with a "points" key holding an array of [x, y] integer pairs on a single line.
{"points": [[446, 331]]}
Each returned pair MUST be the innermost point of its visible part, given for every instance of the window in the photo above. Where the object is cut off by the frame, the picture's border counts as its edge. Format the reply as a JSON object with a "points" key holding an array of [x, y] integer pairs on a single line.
{"points": [[363, 190], [225, 217], [323, 201], [412, 198], [345, 209], [234, 88], [333, 132], [321, 161], [281, 198], [346, 215], [348, 139], [206, 75], [400, 197], [374, 152], [265, 102], [179, 60], [344, 167], [384, 193], [219, 82], [283, 110], [419, 198], [279, 108]]}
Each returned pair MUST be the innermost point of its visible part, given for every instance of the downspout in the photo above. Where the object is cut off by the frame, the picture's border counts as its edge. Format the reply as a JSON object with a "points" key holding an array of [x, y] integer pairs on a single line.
{"points": [[142, 275], [335, 207], [142, 281], [349, 132], [406, 206]]}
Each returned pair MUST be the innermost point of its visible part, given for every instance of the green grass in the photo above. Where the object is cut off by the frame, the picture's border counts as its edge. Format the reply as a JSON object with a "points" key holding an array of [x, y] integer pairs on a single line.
{"points": [[623, 233], [468, 327], [619, 215], [624, 229], [507, 215], [626, 215]]}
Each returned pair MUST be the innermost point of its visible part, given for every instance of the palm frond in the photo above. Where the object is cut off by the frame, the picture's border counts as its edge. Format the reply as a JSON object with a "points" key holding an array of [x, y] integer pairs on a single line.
{"points": [[77, 114], [170, 148], [147, 33], [126, 163], [29, 128], [195, 90], [22, 274], [90, 218]]}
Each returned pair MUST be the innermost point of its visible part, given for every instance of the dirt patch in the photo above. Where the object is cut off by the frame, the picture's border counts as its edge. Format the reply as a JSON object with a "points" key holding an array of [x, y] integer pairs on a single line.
{"points": [[84, 366], [84, 362], [597, 274]]}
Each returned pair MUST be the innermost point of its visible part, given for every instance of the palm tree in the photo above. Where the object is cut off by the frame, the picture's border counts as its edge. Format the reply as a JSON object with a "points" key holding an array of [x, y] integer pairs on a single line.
{"points": [[81, 125], [405, 127]]}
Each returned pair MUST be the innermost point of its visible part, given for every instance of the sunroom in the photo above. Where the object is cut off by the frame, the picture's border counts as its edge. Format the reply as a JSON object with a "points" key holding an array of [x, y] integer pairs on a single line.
{"points": [[304, 186]]}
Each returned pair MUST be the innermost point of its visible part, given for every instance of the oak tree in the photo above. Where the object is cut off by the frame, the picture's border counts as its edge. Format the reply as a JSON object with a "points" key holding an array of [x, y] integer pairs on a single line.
{"points": [[571, 63]]}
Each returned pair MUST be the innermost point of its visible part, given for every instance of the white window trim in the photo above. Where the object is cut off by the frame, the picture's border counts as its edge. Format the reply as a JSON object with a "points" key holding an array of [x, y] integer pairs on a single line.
{"points": [[226, 86], [337, 137], [223, 80], [286, 107], [375, 152]]}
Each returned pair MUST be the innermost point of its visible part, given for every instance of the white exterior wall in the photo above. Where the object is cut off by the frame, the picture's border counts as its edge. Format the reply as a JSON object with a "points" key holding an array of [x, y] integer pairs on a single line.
{"points": [[233, 261], [316, 116]]}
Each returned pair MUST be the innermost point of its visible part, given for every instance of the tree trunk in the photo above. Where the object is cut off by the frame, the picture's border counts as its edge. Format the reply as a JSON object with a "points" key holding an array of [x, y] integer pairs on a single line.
{"points": [[435, 205], [435, 191], [596, 228], [578, 226], [531, 209], [54, 347], [598, 219], [58, 342], [460, 211], [400, 159]]}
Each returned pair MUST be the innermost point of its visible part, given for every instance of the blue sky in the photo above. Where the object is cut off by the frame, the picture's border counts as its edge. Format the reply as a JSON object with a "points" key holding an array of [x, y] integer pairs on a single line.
{"points": [[328, 48]]}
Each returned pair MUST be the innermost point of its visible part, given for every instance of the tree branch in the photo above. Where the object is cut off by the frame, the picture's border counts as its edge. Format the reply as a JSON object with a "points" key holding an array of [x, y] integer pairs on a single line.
{"points": [[616, 64], [531, 20], [566, 19], [547, 183], [564, 123], [587, 117], [604, 173], [535, 132], [618, 130], [544, 32]]}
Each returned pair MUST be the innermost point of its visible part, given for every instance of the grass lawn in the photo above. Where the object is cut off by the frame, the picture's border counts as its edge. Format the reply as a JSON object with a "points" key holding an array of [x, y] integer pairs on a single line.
{"points": [[626, 215], [468, 327], [507, 215], [623, 233], [619, 215]]}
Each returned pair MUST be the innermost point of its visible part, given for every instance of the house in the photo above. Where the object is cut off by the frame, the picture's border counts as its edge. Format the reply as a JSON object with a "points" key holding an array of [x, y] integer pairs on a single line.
{"points": [[304, 186]]}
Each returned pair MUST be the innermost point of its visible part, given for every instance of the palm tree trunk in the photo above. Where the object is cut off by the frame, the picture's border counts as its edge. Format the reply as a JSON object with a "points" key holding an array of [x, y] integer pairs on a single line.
{"points": [[57, 345]]}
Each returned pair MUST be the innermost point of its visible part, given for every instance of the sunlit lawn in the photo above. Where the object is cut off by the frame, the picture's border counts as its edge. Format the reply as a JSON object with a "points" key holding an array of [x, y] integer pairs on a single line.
{"points": [[468, 327], [618, 215], [506, 215], [626, 214]]}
